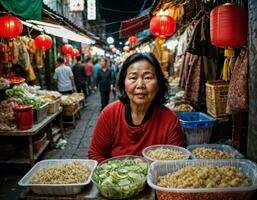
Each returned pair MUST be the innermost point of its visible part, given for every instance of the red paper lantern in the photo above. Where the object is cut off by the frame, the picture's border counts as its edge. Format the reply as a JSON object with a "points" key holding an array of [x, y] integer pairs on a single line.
{"points": [[43, 42], [74, 53], [126, 48], [132, 40], [162, 26], [10, 26], [67, 49], [228, 26]]}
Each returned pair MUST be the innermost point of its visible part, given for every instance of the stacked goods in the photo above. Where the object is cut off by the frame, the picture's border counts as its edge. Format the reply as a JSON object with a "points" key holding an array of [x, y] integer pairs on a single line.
{"points": [[208, 176], [52, 98], [62, 174], [70, 104], [4, 83], [20, 92], [7, 118], [15, 79]]}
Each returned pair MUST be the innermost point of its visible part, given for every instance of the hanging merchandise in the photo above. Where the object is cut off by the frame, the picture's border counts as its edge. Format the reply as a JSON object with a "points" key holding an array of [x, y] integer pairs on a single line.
{"points": [[43, 42], [228, 25], [132, 40], [67, 49], [10, 26], [162, 25], [75, 52]]}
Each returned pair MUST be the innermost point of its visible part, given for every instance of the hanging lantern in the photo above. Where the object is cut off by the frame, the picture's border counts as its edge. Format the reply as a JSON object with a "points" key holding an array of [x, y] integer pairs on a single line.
{"points": [[228, 26], [67, 49], [126, 48], [162, 26], [74, 53], [43, 42], [132, 40], [10, 26]]}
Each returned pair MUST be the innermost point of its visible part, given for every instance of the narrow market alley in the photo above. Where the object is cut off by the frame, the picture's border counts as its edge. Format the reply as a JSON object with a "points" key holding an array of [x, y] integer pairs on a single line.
{"points": [[78, 140]]}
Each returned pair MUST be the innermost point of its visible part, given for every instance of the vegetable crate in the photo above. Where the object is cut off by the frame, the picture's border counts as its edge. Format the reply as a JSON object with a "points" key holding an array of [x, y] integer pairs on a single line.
{"points": [[196, 127], [69, 110], [216, 97], [40, 113], [54, 106]]}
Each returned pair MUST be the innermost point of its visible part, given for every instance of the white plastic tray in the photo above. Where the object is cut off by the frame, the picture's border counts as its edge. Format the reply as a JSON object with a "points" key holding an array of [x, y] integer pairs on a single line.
{"points": [[56, 189], [221, 147], [160, 168], [167, 146]]}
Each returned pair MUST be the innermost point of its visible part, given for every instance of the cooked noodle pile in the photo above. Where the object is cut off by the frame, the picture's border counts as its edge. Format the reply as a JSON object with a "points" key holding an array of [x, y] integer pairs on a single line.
{"points": [[74, 172]]}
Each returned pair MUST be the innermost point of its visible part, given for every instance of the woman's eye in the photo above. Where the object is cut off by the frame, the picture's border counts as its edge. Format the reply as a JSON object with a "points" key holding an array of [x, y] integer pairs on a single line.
{"points": [[148, 77], [132, 78]]}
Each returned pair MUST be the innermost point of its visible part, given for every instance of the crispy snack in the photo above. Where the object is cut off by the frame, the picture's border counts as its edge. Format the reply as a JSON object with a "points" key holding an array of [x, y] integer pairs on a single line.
{"points": [[74, 172], [210, 153], [209, 176], [165, 154]]}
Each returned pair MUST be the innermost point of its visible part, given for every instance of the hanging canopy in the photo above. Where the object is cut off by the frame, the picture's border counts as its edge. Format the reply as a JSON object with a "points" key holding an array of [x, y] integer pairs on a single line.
{"points": [[25, 9]]}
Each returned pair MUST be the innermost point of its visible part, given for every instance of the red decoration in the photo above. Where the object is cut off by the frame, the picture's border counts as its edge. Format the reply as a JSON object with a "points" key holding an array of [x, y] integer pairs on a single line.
{"points": [[228, 26], [126, 48], [162, 26], [74, 53], [43, 42], [132, 40], [67, 49], [10, 26]]}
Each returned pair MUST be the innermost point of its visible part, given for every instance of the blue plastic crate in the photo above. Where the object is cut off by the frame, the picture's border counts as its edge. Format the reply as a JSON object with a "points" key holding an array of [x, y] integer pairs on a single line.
{"points": [[195, 120]]}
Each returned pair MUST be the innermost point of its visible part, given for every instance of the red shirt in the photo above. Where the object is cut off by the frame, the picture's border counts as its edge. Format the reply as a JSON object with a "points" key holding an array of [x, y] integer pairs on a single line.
{"points": [[89, 68], [114, 137]]}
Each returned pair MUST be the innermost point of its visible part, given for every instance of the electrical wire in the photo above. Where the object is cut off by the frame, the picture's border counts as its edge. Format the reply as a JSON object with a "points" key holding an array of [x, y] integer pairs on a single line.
{"points": [[119, 11]]}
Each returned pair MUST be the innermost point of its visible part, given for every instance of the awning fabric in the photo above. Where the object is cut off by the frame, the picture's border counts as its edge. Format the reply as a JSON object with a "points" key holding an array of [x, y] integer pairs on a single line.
{"points": [[60, 31], [25, 9], [133, 26]]}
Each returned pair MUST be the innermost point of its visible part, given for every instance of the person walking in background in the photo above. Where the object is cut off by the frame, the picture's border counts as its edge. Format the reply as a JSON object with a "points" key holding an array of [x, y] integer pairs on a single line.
{"points": [[89, 70], [113, 71], [96, 68], [64, 77], [105, 82], [80, 76]]}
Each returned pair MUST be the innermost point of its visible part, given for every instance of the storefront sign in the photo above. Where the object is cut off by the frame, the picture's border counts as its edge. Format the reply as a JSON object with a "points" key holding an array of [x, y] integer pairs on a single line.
{"points": [[76, 5], [91, 10]]}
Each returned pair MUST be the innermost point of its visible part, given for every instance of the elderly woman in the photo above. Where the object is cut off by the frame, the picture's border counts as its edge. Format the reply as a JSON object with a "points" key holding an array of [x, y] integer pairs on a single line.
{"points": [[139, 118]]}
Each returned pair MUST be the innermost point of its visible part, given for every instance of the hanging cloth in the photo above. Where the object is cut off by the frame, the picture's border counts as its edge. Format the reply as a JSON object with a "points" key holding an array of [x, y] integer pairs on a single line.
{"points": [[237, 91]]}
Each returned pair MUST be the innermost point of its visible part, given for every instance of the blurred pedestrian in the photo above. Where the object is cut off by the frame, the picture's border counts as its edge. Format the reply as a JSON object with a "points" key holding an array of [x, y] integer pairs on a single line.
{"points": [[64, 77], [112, 67], [97, 67], [104, 82], [80, 76], [89, 70]]}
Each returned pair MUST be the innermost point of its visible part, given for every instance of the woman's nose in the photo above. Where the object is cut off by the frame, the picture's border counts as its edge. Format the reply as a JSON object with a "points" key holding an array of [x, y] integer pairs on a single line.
{"points": [[140, 82]]}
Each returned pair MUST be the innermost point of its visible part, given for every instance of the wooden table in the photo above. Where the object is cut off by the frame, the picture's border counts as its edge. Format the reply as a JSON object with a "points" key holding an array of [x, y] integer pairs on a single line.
{"points": [[29, 133], [90, 192]]}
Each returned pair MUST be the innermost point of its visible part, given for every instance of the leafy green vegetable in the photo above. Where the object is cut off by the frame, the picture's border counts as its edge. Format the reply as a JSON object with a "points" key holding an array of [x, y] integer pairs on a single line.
{"points": [[121, 178]]}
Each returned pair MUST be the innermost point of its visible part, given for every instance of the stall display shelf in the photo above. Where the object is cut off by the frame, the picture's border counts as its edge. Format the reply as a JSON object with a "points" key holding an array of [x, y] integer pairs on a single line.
{"points": [[36, 128], [73, 116]]}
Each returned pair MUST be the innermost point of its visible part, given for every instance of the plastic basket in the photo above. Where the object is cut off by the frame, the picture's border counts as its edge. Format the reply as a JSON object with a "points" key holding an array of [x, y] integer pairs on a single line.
{"points": [[221, 147], [216, 97], [196, 127], [160, 168]]}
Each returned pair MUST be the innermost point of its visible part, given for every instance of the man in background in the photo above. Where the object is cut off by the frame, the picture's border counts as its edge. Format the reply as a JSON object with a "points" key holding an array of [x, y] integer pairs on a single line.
{"points": [[64, 77], [89, 70], [80, 76]]}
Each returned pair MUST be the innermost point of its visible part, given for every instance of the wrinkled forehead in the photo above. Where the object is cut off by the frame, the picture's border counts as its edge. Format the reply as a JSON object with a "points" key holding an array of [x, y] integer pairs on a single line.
{"points": [[141, 66]]}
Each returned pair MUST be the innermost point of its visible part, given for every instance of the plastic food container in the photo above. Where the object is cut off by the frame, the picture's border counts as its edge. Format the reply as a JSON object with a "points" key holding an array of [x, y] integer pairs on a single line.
{"points": [[120, 191], [41, 113], [56, 189], [171, 147], [196, 126], [160, 168], [221, 147], [24, 116]]}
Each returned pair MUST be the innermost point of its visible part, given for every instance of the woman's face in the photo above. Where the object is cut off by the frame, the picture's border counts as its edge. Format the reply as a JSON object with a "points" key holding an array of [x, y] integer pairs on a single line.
{"points": [[141, 84]]}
